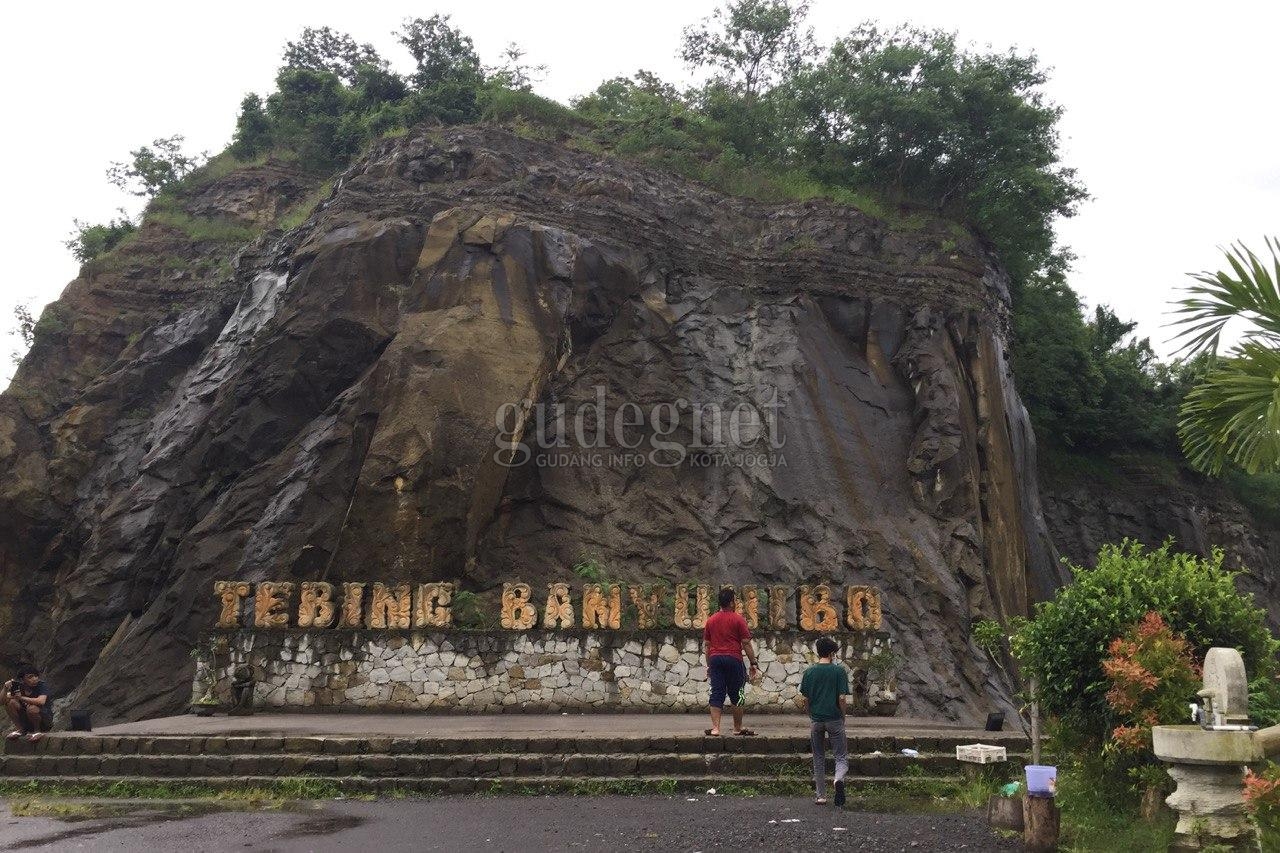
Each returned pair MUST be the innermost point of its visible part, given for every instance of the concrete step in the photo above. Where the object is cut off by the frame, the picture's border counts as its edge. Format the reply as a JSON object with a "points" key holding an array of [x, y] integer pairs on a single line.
{"points": [[498, 765], [310, 787], [78, 744]]}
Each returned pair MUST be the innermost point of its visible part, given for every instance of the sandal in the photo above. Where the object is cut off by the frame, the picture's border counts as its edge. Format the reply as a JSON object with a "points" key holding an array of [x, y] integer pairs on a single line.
{"points": [[710, 733], [13, 735], [745, 733], [34, 737]]}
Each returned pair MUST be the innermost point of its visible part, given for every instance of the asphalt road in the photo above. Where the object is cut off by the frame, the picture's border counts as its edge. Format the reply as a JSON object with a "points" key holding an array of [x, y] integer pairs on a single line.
{"points": [[519, 824]]}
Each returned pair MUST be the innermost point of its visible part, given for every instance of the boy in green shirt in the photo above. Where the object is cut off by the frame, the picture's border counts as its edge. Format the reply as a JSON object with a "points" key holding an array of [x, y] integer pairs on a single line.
{"points": [[824, 686]]}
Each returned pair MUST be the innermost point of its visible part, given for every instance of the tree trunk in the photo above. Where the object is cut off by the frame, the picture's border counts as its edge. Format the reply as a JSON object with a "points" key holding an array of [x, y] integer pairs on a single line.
{"points": [[1040, 819]]}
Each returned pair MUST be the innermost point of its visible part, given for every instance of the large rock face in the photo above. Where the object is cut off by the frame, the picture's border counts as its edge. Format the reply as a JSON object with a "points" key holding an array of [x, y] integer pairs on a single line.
{"points": [[328, 405]]}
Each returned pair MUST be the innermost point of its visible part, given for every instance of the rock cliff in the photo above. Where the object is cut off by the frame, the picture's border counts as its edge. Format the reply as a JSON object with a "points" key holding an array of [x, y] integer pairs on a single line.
{"points": [[328, 402]]}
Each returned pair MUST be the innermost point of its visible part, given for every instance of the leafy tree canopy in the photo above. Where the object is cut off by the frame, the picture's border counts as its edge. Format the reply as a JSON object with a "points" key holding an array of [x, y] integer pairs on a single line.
{"points": [[154, 167], [751, 43], [443, 54], [323, 49]]}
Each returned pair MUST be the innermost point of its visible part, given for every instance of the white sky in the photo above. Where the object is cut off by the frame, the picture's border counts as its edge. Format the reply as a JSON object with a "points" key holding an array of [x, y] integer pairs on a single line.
{"points": [[1171, 114]]}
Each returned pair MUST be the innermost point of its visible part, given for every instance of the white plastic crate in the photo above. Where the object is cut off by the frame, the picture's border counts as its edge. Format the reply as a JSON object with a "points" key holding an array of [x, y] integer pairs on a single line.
{"points": [[981, 753]]}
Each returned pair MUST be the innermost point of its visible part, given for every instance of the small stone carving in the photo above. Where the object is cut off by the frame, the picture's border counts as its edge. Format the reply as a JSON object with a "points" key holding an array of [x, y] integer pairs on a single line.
{"points": [[559, 610], [435, 606], [817, 613], [748, 605], [389, 606], [702, 604], [271, 604], [518, 612], [232, 594], [703, 597], [316, 608], [778, 607], [601, 609], [242, 682], [647, 606], [352, 605], [680, 614], [862, 612]]}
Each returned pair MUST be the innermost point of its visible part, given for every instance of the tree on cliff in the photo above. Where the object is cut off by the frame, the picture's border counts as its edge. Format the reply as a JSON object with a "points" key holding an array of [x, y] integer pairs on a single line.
{"points": [[1233, 414], [25, 326], [753, 43], [918, 117], [154, 167], [323, 49], [442, 53]]}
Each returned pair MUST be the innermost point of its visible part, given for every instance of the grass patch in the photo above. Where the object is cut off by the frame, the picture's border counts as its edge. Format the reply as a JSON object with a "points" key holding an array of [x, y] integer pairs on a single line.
{"points": [[218, 167], [294, 788], [301, 211], [550, 118], [164, 210], [1100, 811]]}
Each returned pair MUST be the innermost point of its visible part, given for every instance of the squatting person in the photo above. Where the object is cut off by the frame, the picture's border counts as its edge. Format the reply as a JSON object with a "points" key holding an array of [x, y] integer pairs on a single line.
{"points": [[823, 688], [727, 638], [27, 700]]}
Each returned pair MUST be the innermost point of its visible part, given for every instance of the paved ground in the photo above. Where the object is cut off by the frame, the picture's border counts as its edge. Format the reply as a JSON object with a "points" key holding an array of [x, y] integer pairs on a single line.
{"points": [[523, 824], [513, 725]]}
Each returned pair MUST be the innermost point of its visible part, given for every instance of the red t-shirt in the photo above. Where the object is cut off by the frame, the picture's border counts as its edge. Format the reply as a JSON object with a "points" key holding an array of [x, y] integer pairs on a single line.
{"points": [[724, 632]]}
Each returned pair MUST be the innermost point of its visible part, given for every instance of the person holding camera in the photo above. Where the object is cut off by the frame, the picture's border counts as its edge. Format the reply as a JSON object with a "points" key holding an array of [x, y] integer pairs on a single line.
{"points": [[27, 699]]}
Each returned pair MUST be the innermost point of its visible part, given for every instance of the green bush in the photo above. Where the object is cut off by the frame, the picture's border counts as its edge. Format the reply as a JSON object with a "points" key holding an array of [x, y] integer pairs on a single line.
{"points": [[1066, 641], [90, 241], [253, 129], [1264, 700]]}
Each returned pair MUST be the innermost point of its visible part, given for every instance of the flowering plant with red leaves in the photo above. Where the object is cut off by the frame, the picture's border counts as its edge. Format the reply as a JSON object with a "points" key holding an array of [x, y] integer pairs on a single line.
{"points": [[1152, 676], [1262, 798]]}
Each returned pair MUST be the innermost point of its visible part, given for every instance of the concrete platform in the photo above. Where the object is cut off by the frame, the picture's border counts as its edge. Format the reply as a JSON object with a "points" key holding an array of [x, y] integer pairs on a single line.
{"points": [[381, 753], [528, 726]]}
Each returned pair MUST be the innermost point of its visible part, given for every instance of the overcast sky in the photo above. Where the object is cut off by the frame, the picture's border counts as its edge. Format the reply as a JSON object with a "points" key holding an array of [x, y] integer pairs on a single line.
{"points": [[1171, 116]]}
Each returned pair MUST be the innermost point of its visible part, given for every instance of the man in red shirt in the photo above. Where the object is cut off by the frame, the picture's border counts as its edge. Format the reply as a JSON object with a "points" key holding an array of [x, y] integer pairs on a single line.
{"points": [[726, 637]]}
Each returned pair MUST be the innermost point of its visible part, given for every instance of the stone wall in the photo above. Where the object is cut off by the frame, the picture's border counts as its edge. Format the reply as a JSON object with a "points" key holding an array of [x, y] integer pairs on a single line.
{"points": [[490, 672]]}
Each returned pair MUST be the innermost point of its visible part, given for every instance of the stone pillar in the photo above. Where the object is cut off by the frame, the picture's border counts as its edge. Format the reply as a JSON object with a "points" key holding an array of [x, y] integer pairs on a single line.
{"points": [[1209, 801]]}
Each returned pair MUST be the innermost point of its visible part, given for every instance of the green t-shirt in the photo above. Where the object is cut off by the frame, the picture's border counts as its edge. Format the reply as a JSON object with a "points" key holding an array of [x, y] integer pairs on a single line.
{"points": [[822, 684]]}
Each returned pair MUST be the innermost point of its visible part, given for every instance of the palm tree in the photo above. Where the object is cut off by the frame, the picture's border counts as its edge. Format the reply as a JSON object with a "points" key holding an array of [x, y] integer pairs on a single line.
{"points": [[1233, 413]]}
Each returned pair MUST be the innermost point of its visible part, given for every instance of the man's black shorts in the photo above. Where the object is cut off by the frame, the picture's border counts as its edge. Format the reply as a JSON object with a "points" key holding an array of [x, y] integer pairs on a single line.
{"points": [[728, 676]]}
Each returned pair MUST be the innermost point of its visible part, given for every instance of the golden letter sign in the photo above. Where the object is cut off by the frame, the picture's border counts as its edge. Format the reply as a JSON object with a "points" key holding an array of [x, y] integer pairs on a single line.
{"points": [[426, 606]]}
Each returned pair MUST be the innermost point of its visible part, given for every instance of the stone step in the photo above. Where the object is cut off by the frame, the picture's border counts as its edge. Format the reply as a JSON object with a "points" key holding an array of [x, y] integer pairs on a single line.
{"points": [[500, 765], [307, 787], [80, 744]]}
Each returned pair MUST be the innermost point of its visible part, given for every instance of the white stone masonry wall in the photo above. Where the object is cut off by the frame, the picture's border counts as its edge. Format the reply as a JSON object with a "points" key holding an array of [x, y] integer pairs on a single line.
{"points": [[507, 671]]}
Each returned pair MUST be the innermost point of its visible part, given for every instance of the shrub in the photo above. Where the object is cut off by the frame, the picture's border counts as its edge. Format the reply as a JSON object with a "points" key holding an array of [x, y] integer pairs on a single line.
{"points": [[1065, 643], [154, 167], [89, 241], [253, 129], [1152, 676], [1264, 700], [1262, 798], [590, 569], [306, 113]]}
